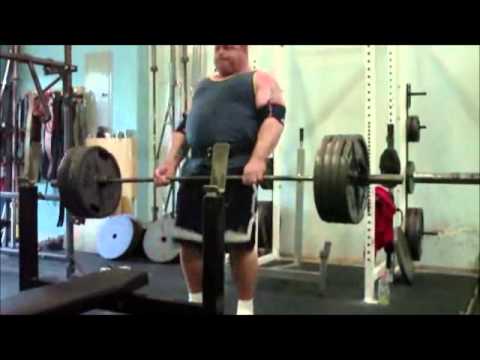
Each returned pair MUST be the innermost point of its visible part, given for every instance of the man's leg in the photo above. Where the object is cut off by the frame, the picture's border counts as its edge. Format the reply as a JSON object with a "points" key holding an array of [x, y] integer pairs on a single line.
{"points": [[244, 270], [189, 213], [192, 267]]}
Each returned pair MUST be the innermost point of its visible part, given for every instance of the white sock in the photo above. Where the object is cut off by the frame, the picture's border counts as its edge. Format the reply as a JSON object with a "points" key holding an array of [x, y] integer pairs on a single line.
{"points": [[195, 297], [245, 307]]}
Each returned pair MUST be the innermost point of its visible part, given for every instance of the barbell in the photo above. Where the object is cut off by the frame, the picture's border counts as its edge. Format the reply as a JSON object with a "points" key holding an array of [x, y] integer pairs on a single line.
{"points": [[90, 183]]}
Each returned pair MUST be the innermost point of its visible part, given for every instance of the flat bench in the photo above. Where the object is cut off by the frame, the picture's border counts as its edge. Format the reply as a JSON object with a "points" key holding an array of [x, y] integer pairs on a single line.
{"points": [[75, 296]]}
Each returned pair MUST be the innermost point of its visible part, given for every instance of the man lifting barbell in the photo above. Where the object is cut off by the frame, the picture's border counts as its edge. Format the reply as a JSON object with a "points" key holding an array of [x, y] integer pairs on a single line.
{"points": [[246, 109]]}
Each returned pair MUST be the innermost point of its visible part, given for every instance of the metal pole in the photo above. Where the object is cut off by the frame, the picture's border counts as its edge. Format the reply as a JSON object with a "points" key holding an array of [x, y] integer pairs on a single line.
{"points": [[370, 122], [24, 58], [6, 223], [28, 250], [154, 69], [14, 195], [42, 255], [5, 78], [298, 245], [67, 128], [173, 59], [407, 143], [13, 183], [185, 60], [164, 126], [213, 229]]}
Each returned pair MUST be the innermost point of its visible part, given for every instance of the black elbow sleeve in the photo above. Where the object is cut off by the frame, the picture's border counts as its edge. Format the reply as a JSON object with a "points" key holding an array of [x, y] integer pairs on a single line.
{"points": [[276, 111]]}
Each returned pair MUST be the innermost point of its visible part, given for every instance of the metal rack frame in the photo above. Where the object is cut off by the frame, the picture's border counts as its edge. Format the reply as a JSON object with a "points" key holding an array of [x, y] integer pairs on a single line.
{"points": [[64, 70]]}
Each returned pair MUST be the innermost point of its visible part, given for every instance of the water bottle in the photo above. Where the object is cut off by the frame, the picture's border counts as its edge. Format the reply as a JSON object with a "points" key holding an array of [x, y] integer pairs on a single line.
{"points": [[384, 289]]}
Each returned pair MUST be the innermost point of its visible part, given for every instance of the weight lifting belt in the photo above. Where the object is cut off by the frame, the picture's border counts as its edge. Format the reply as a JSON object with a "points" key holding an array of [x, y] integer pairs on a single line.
{"points": [[222, 111]]}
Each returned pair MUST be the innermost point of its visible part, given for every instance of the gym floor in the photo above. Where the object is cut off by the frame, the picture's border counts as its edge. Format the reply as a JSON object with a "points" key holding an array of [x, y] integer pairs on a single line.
{"points": [[430, 294]]}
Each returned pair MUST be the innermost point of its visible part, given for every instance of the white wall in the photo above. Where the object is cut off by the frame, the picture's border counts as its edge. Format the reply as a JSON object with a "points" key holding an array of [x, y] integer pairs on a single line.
{"points": [[325, 96], [450, 75], [324, 93]]}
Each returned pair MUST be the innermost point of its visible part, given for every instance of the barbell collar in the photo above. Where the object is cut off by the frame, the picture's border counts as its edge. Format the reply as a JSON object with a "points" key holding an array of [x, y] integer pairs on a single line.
{"points": [[385, 179], [382, 179]]}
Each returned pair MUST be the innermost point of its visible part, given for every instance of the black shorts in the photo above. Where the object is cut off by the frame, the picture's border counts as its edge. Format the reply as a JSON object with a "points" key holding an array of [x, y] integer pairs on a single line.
{"points": [[240, 208]]}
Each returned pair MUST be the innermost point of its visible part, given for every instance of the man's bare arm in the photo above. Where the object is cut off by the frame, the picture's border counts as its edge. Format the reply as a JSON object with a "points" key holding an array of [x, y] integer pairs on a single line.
{"points": [[176, 153], [267, 92], [267, 138]]}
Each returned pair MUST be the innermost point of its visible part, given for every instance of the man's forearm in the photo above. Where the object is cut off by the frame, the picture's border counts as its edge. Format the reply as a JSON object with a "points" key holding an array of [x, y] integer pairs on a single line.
{"points": [[177, 149], [267, 139]]}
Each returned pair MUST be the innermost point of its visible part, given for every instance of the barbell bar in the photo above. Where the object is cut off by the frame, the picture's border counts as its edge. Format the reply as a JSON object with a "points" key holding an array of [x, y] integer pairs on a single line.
{"points": [[453, 178], [382, 179], [199, 178], [90, 184]]}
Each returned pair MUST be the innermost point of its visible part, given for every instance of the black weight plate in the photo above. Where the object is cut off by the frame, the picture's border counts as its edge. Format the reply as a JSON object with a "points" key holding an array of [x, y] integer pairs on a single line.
{"points": [[337, 184], [62, 177], [355, 161], [413, 129], [410, 182], [338, 207], [68, 191], [362, 168], [326, 190], [390, 162], [404, 257], [337, 197], [96, 200], [320, 179], [414, 232], [76, 193]]}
